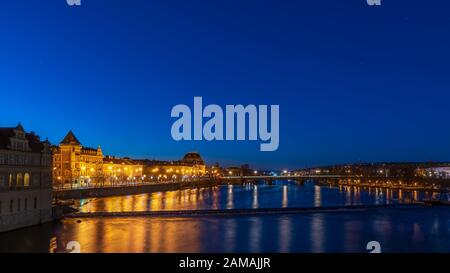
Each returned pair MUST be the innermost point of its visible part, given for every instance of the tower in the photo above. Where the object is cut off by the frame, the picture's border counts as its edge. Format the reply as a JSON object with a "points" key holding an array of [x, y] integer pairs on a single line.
{"points": [[70, 147]]}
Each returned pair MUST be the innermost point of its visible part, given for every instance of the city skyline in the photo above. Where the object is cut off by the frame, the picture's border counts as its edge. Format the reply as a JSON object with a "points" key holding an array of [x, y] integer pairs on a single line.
{"points": [[111, 72], [108, 156]]}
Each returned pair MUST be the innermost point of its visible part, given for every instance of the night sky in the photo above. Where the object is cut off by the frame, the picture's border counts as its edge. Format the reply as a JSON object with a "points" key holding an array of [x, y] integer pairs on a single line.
{"points": [[355, 83]]}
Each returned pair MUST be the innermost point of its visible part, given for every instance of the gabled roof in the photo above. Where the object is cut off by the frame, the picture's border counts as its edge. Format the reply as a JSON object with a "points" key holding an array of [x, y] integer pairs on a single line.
{"points": [[70, 139], [34, 142]]}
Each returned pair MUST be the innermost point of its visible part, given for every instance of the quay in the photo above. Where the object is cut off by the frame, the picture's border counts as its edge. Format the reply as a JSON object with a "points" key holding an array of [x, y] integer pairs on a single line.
{"points": [[119, 190], [433, 185], [430, 185], [127, 189]]}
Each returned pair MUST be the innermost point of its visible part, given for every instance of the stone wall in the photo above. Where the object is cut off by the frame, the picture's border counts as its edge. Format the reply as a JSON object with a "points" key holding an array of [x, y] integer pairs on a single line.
{"points": [[33, 208]]}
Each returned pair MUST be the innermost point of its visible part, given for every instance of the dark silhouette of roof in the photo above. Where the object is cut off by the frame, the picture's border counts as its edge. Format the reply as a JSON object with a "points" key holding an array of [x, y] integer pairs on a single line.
{"points": [[70, 139], [34, 141]]}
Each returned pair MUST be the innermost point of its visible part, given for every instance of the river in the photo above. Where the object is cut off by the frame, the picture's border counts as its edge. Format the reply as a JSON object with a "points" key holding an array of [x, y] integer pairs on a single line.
{"points": [[410, 229]]}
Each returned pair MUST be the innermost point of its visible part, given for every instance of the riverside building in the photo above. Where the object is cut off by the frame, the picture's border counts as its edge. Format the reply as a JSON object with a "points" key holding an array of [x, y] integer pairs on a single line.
{"points": [[76, 166], [25, 179], [190, 166]]}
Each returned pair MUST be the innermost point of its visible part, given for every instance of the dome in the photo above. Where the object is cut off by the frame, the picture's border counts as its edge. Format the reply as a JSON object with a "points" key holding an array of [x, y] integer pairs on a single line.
{"points": [[193, 158]]}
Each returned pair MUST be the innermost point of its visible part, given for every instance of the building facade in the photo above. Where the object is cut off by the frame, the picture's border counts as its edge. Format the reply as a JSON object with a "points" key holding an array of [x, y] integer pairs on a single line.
{"points": [[122, 170], [190, 166], [76, 166], [25, 179], [434, 172]]}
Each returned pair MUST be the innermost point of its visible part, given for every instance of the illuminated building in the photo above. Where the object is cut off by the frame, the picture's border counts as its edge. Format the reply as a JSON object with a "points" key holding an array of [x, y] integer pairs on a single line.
{"points": [[25, 179], [191, 166], [195, 161], [78, 166], [436, 172], [117, 170]]}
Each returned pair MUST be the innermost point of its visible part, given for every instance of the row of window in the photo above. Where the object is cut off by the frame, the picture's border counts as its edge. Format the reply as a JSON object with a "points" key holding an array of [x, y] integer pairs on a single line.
{"points": [[18, 205], [20, 145], [82, 159], [22, 159], [91, 160], [17, 180]]}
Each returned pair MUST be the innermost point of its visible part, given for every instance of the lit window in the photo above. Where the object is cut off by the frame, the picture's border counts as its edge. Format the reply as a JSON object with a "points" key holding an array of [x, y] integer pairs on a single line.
{"points": [[26, 181], [19, 181]]}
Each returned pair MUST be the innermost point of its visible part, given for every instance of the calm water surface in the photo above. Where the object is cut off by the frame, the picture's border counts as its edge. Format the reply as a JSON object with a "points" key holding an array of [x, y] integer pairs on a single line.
{"points": [[413, 229], [280, 195]]}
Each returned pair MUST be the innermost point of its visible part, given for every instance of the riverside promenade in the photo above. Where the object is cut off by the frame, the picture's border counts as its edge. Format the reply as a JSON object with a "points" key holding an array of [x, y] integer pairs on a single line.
{"points": [[149, 187], [431, 185], [118, 190]]}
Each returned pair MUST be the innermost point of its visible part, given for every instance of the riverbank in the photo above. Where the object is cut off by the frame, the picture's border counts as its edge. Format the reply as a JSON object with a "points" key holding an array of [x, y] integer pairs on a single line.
{"points": [[384, 186], [131, 189]]}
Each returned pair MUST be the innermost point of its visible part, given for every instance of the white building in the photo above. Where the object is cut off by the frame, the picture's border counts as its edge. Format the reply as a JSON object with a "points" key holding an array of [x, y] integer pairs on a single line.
{"points": [[442, 172]]}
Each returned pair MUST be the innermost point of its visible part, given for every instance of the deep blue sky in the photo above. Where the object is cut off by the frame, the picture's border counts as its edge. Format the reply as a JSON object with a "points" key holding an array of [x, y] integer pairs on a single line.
{"points": [[354, 82]]}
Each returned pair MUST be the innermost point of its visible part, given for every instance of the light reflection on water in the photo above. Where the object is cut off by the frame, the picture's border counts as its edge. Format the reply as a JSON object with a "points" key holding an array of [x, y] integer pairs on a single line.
{"points": [[417, 229], [282, 195], [398, 230]]}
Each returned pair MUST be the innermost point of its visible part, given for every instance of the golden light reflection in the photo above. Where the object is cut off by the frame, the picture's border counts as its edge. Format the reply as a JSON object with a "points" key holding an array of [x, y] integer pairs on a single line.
{"points": [[416, 195], [189, 199], [131, 235]]}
